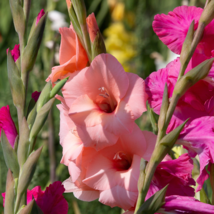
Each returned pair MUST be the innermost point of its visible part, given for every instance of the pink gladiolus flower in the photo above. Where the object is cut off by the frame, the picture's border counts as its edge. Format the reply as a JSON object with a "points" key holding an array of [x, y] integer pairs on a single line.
{"points": [[92, 26], [40, 15], [104, 101], [15, 52], [50, 201], [172, 29], [7, 124], [177, 173], [196, 104], [112, 173], [35, 95], [182, 205], [72, 56]]}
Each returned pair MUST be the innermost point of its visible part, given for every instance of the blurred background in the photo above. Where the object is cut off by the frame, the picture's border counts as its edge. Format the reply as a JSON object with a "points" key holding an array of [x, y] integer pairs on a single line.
{"points": [[127, 28]]}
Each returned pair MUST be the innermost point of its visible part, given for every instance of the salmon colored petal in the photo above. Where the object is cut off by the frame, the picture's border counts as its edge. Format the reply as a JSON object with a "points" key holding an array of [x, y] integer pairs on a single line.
{"points": [[118, 196], [136, 96], [92, 26], [84, 195], [151, 141], [96, 136], [74, 171], [68, 44]]}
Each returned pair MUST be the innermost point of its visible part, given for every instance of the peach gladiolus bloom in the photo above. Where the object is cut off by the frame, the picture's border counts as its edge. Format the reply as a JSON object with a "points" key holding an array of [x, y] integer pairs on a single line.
{"points": [[72, 56], [112, 173], [104, 101]]}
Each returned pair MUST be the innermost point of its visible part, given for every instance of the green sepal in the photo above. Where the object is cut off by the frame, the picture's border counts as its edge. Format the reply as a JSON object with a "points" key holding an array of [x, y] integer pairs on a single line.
{"points": [[154, 203], [27, 172], [98, 46], [44, 96], [16, 84], [10, 196], [27, 209], [18, 16], [23, 142], [208, 13], [36, 209], [32, 116], [204, 197], [32, 47], [153, 118], [31, 105], [58, 87], [9, 155]]}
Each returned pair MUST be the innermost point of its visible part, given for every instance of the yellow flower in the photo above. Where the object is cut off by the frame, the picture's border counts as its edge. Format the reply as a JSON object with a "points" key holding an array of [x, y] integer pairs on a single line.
{"points": [[118, 12], [120, 43]]}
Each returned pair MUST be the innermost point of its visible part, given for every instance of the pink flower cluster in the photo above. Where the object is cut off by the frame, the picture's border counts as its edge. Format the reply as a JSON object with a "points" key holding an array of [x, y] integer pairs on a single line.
{"points": [[102, 145], [198, 103]]}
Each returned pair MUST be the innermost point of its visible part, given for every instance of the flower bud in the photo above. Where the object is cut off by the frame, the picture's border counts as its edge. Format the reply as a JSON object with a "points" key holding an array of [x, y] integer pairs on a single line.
{"points": [[208, 13], [15, 52], [92, 26], [35, 95], [40, 15]]}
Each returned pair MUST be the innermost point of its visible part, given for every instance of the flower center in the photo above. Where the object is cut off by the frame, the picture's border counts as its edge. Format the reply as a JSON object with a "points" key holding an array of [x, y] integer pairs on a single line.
{"points": [[105, 101], [121, 161]]}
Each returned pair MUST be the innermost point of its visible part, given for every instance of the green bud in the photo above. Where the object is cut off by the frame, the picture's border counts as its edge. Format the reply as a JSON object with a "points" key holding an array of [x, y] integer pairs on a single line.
{"points": [[18, 17], [39, 121], [27, 209], [154, 203], [26, 7], [75, 23], [27, 172], [9, 155], [32, 116], [44, 96], [16, 84], [9, 197], [153, 118], [186, 48], [32, 47], [23, 143], [208, 13], [57, 88], [164, 108], [192, 77], [98, 46]]}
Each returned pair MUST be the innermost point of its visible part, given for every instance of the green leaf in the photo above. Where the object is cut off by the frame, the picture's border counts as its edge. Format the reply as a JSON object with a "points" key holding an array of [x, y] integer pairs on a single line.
{"points": [[154, 203], [9, 155]]}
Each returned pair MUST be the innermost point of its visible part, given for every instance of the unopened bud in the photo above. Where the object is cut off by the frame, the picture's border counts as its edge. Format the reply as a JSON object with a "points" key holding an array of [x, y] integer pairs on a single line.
{"points": [[192, 77], [15, 53], [208, 13], [92, 26], [40, 15], [186, 48]]}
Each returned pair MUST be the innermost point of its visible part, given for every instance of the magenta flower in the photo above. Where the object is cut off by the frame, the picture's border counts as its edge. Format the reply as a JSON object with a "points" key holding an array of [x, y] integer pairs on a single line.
{"points": [[7, 124], [172, 29], [40, 15], [15, 52], [35, 95], [50, 201], [185, 205], [177, 173], [197, 104]]}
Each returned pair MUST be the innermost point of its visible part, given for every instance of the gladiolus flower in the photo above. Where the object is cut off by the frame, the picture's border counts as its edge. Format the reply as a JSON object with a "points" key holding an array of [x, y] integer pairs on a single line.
{"points": [[50, 201], [15, 52], [72, 56], [177, 173], [112, 173], [7, 124], [35, 95], [104, 101], [40, 15], [92, 26], [196, 104]]}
